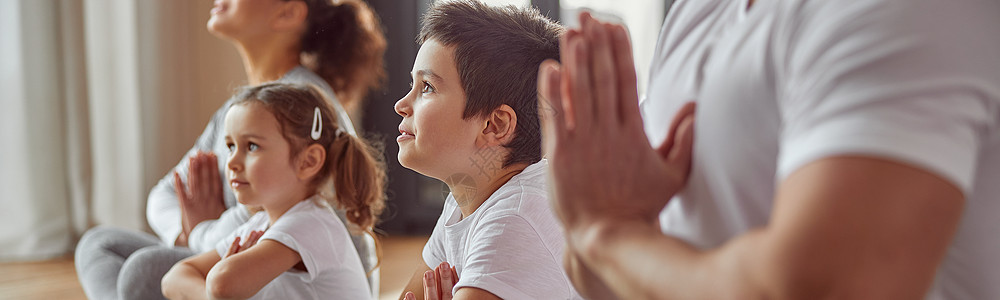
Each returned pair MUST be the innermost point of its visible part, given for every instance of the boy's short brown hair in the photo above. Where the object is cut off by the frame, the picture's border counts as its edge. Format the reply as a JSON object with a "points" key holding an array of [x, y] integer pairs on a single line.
{"points": [[497, 53]]}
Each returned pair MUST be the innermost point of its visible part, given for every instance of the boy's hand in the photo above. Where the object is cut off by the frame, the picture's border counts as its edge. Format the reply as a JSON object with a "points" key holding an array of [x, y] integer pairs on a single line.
{"points": [[601, 165], [438, 283], [201, 199], [237, 248]]}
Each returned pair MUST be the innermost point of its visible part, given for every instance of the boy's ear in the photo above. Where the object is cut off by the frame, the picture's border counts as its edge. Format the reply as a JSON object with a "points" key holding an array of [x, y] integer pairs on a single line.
{"points": [[500, 126], [310, 161], [290, 15]]}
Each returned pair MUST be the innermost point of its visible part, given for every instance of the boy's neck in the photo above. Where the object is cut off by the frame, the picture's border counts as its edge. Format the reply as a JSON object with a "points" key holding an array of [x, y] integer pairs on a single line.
{"points": [[470, 198], [266, 61]]}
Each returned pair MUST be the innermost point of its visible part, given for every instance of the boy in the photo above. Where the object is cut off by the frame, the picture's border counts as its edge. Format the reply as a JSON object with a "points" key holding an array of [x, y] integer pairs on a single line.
{"points": [[471, 121]]}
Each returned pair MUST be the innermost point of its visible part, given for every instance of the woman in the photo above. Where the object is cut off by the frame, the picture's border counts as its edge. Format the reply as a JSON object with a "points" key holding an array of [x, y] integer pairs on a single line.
{"points": [[334, 45]]}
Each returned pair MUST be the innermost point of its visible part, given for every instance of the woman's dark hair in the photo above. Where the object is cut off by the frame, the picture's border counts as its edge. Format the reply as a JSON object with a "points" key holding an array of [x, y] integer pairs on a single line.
{"points": [[356, 167], [344, 44]]}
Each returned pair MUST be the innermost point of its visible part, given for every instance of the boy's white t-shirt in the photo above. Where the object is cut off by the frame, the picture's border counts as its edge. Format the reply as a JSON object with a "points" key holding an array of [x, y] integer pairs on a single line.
{"points": [[311, 229], [789, 82], [511, 246]]}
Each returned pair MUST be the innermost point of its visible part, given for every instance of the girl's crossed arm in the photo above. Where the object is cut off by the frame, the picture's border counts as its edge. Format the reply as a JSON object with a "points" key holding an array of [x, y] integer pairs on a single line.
{"points": [[186, 280], [240, 275]]}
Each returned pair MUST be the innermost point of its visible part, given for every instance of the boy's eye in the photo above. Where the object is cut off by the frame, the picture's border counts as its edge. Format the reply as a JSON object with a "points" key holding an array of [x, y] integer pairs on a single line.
{"points": [[427, 88], [252, 147]]}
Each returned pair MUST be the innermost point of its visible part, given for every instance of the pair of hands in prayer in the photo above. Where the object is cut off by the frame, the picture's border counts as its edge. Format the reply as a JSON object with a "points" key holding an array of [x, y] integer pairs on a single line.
{"points": [[201, 198], [602, 166], [438, 283]]}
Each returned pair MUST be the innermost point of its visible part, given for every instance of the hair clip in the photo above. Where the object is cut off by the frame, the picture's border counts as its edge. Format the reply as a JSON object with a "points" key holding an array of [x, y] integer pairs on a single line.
{"points": [[317, 127], [340, 132]]}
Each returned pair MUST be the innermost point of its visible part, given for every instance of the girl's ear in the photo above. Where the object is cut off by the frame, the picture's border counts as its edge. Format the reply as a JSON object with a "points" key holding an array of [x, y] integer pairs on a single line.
{"points": [[310, 161], [499, 126], [290, 15]]}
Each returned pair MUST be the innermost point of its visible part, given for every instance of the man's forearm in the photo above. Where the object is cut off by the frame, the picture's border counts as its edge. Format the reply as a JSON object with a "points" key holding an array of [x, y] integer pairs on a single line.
{"points": [[636, 261]]}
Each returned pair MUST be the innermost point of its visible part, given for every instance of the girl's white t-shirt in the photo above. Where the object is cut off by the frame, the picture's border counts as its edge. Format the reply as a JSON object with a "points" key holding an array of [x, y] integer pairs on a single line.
{"points": [[310, 228], [512, 246], [789, 82]]}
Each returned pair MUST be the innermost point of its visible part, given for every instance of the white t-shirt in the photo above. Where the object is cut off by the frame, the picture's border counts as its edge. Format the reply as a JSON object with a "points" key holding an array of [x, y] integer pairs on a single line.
{"points": [[511, 246], [311, 229], [789, 82], [163, 210]]}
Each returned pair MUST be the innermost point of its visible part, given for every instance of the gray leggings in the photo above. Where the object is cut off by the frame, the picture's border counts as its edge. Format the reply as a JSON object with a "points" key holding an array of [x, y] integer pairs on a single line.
{"points": [[115, 263]]}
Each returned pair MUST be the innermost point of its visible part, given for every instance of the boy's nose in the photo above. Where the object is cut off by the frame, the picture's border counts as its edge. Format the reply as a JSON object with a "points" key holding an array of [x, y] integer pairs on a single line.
{"points": [[401, 107]]}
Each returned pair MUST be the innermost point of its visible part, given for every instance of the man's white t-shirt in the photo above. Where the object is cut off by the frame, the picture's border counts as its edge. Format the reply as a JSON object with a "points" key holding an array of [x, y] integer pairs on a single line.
{"points": [[511, 246], [313, 230], [789, 82]]}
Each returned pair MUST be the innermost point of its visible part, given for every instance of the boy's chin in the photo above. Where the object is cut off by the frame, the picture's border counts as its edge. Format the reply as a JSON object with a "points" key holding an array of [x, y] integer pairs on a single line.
{"points": [[405, 160], [409, 163]]}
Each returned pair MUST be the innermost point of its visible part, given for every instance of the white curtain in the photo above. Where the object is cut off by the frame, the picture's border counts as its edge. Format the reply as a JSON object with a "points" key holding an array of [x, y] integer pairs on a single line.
{"points": [[100, 98]]}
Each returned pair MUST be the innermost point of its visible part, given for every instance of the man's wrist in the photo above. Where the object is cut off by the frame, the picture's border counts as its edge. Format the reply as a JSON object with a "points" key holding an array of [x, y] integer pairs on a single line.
{"points": [[591, 239]]}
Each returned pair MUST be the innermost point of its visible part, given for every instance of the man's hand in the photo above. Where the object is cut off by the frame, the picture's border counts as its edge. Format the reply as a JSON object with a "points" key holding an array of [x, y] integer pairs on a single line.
{"points": [[438, 283], [602, 167], [201, 199]]}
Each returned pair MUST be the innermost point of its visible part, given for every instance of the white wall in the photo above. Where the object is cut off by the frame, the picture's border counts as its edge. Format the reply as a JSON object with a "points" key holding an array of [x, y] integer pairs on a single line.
{"points": [[643, 18]]}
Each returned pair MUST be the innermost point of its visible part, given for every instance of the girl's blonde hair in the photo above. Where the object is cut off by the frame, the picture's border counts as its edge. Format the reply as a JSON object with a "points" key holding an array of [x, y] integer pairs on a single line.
{"points": [[359, 181]]}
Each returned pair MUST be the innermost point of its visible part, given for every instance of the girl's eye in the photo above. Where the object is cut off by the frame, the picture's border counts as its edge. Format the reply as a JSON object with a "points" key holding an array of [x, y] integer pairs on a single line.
{"points": [[427, 88], [252, 147], [231, 147]]}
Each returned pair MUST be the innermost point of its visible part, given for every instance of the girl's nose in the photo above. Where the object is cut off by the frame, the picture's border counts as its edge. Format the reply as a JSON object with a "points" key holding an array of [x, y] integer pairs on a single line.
{"points": [[233, 164]]}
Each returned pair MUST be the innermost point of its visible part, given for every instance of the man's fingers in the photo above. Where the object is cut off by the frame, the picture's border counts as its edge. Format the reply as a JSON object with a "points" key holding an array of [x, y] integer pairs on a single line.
{"points": [[565, 102], [687, 110], [430, 286], [628, 94], [550, 110], [681, 152], [603, 79], [577, 76]]}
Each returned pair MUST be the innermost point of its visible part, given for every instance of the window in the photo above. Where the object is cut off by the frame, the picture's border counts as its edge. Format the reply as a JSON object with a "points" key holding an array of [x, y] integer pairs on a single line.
{"points": [[643, 19]]}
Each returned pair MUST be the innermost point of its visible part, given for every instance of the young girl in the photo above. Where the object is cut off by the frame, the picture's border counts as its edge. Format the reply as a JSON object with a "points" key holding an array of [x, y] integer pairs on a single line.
{"points": [[285, 148], [336, 45]]}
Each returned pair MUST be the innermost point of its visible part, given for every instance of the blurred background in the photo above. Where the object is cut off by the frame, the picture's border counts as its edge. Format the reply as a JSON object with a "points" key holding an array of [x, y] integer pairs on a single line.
{"points": [[101, 98]]}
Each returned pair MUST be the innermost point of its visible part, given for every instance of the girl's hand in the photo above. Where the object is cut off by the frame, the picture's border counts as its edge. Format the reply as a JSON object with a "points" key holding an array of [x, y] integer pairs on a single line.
{"points": [[201, 198], [237, 248]]}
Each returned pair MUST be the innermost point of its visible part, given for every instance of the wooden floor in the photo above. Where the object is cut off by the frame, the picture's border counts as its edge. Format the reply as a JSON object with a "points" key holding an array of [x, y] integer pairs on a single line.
{"points": [[56, 279]]}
